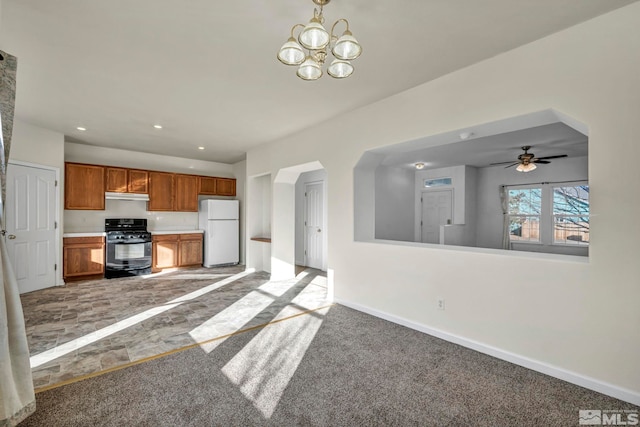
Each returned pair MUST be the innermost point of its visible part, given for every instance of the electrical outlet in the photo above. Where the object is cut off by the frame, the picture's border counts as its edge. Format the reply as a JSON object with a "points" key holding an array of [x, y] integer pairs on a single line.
{"points": [[440, 303]]}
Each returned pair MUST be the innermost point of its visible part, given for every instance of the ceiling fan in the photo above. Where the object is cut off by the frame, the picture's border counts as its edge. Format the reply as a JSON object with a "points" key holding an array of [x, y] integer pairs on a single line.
{"points": [[527, 161]]}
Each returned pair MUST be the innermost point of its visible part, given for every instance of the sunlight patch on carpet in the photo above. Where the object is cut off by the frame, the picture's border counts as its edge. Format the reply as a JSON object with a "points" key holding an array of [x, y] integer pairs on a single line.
{"points": [[263, 368], [234, 317]]}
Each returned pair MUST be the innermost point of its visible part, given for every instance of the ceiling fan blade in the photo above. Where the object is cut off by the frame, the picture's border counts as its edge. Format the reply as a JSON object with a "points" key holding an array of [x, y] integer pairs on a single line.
{"points": [[550, 157], [544, 162], [501, 163], [512, 164]]}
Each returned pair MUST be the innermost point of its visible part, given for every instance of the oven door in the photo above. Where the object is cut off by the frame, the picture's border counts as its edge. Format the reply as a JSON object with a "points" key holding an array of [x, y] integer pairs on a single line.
{"points": [[128, 255]]}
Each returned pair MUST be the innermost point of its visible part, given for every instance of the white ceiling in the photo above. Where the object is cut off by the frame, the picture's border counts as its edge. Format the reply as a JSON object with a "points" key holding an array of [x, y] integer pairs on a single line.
{"points": [[207, 70]]}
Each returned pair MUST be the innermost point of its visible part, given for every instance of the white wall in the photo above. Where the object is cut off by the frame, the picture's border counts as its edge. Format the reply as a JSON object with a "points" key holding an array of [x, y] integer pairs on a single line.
{"points": [[394, 203], [303, 179], [258, 222], [35, 145], [489, 218], [549, 320], [240, 172], [83, 153]]}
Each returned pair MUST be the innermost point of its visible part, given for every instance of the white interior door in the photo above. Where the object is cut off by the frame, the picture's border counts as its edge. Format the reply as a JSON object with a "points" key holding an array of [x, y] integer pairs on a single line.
{"points": [[313, 225], [30, 225], [436, 211]]}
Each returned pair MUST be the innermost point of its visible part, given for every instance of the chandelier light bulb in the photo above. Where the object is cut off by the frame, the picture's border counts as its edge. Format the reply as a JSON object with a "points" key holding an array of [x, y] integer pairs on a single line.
{"points": [[347, 47], [309, 70], [314, 36], [340, 69], [291, 53]]}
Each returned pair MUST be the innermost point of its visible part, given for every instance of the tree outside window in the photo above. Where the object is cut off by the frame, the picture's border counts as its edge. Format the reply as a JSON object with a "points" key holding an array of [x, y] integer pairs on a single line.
{"points": [[571, 215], [525, 207]]}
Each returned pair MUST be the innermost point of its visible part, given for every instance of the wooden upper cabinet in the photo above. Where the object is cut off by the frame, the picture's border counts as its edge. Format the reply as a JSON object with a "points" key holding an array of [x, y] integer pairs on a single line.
{"points": [[122, 180], [225, 186], [212, 186], [138, 181], [186, 199], [208, 186], [116, 179], [161, 191], [84, 186]]}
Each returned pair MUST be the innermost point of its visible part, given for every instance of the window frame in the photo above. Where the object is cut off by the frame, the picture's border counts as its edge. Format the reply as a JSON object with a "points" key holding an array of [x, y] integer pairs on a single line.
{"points": [[539, 216], [547, 217], [578, 243]]}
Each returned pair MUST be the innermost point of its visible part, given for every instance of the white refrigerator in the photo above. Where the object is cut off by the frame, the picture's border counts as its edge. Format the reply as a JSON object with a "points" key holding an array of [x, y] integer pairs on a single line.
{"points": [[220, 221]]}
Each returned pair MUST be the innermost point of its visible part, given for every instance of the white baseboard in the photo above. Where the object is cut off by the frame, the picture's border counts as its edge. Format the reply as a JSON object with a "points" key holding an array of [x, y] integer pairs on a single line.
{"points": [[553, 371]]}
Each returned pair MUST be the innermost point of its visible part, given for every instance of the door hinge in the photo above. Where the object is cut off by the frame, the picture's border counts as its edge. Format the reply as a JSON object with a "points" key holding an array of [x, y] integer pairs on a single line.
{"points": [[420, 223], [56, 183], [305, 223], [55, 267], [305, 252], [55, 224], [305, 194]]}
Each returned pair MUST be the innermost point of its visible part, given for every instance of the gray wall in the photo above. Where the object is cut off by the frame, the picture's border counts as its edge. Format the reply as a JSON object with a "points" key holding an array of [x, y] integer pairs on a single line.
{"points": [[394, 203]]}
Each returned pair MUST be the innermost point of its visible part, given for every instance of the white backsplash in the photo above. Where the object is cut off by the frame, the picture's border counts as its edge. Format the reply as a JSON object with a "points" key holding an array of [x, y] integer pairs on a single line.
{"points": [[81, 221]]}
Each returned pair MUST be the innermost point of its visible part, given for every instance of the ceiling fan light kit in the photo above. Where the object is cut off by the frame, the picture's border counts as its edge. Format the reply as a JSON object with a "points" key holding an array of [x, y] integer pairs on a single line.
{"points": [[527, 161], [315, 38]]}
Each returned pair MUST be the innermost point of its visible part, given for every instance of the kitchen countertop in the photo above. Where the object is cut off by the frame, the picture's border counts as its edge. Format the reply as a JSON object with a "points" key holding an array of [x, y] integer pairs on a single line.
{"points": [[156, 232], [159, 232], [93, 234]]}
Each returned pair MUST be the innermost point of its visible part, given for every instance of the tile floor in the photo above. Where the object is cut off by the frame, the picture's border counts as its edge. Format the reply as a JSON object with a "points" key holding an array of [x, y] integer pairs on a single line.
{"points": [[87, 327]]}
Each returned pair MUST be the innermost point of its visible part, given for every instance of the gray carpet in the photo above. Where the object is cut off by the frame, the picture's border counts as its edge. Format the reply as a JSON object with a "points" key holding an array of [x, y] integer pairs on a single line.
{"points": [[357, 371]]}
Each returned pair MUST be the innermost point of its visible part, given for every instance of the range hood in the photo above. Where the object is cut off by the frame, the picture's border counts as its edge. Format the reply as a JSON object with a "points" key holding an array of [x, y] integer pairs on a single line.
{"points": [[126, 196]]}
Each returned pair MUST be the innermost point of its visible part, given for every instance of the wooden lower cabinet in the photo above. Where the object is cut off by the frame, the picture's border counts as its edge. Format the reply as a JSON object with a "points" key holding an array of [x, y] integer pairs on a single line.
{"points": [[190, 252], [176, 250], [83, 258]]}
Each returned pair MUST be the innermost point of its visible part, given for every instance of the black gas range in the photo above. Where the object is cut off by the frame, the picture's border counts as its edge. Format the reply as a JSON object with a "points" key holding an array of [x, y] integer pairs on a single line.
{"points": [[128, 251]]}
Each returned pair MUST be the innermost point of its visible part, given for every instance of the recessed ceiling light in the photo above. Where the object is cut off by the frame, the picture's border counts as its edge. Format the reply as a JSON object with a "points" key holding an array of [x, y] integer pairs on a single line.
{"points": [[200, 148], [419, 166], [157, 126], [81, 128]]}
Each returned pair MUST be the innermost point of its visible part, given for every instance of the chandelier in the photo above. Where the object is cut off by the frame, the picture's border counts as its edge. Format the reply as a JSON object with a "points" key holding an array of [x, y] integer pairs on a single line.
{"points": [[318, 41]]}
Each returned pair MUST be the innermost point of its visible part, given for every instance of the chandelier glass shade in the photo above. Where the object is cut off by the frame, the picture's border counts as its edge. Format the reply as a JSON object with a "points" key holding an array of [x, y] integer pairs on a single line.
{"points": [[317, 41]]}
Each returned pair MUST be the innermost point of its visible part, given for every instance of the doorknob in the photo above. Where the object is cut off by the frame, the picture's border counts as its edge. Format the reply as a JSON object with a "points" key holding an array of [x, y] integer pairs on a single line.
{"points": [[12, 236], [319, 230]]}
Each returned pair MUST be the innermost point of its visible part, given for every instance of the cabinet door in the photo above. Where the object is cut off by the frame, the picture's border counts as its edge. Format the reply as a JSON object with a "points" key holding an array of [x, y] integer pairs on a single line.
{"points": [[190, 250], [208, 186], [164, 252], [138, 181], [161, 191], [186, 193], [226, 186], [83, 186], [116, 179], [83, 256]]}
